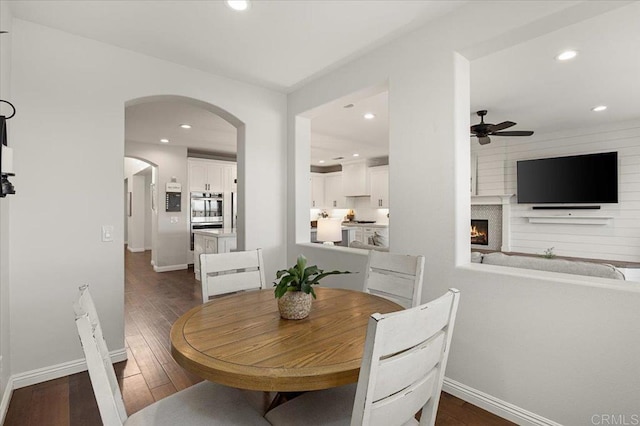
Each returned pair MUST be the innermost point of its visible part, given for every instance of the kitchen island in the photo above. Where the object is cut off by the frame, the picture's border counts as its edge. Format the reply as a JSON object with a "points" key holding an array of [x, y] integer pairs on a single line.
{"points": [[211, 241], [365, 231]]}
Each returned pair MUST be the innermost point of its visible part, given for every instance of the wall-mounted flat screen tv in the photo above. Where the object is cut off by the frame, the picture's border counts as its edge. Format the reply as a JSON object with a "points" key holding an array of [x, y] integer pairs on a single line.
{"points": [[591, 178]]}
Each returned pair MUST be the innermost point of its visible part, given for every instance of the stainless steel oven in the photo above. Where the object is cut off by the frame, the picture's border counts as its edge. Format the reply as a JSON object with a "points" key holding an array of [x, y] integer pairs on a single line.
{"points": [[206, 211], [206, 207]]}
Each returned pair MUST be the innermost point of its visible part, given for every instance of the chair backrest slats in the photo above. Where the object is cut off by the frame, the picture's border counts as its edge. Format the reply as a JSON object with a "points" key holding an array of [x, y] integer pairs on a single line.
{"points": [[103, 376], [230, 283], [395, 276], [397, 409], [398, 372], [394, 285], [403, 364], [392, 262], [230, 272], [412, 330]]}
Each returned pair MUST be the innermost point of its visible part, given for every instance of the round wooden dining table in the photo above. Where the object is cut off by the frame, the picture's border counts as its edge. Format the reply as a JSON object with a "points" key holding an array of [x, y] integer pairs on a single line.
{"points": [[240, 340]]}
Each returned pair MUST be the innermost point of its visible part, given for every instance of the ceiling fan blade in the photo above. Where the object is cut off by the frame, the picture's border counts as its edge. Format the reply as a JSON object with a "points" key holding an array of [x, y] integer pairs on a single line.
{"points": [[484, 140], [514, 133], [478, 128], [501, 126]]}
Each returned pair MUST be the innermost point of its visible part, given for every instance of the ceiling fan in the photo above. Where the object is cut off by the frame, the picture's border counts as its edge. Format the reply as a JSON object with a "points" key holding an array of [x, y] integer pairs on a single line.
{"points": [[483, 130]]}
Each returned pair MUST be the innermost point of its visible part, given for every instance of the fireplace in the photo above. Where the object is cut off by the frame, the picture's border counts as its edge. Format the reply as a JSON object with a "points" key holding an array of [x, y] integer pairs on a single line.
{"points": [[480, 232]]}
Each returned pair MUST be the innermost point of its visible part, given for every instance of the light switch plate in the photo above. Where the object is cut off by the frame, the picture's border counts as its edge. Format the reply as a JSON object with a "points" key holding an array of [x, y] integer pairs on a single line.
{"points": [[107, 233], [174, 219]]}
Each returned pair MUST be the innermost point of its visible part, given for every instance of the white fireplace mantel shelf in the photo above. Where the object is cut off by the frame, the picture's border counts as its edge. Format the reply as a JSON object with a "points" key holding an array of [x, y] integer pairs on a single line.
{"points": [[490, 200], [570, 219]]}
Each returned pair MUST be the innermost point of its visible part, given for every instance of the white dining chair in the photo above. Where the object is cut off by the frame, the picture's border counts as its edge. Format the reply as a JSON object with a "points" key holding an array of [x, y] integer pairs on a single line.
{"points": [[402, 370], [205, 403], [397, 277], [223, 273]]}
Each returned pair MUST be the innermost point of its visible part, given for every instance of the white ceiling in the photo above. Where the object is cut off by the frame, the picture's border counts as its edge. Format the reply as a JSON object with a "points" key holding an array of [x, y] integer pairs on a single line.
{"points": [[525, 83], [338, 132], [276, 44], [152, 121], [282, 44]]}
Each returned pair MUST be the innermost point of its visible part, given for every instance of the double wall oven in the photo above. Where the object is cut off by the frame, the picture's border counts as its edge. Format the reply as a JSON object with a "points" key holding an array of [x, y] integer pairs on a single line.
{"points": [[206, 211]]}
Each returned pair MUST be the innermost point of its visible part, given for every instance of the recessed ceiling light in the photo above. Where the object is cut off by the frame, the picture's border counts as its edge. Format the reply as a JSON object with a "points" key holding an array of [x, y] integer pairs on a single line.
{"points": [[566, 55], [321, 161], [599, 108], [369, 116], [239, 5], [185, 126], [356, 155], [164, 140]]}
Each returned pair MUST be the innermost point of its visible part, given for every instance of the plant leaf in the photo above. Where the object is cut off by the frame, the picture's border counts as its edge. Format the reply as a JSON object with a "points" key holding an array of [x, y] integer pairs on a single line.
{"points": [[311, 270], [325, 274], [280, 291], [301, 264]]}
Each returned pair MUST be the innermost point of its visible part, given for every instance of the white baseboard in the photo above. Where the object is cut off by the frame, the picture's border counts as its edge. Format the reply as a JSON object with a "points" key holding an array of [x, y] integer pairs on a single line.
{"points": [[170, 268], [6, 398], [56, 371], [40, 375], [135, 250], [148, 248], [494, 405]]}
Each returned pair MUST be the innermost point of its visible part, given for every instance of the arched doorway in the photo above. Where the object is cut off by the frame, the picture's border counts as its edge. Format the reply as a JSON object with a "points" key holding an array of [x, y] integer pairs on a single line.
{"points": [[189, 128]]}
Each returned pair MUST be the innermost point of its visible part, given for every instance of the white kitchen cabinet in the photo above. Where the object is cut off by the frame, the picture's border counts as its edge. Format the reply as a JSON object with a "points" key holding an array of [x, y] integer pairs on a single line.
{"points": [[230, 186], [379, 178], [333, 193], [233, 179], [206, 176], [355, 179], [317, 191], [363, 233]]}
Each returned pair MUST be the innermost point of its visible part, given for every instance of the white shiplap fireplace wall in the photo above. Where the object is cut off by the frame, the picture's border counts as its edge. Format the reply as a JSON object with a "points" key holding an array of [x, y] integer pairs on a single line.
{"points": [[617, 239]]}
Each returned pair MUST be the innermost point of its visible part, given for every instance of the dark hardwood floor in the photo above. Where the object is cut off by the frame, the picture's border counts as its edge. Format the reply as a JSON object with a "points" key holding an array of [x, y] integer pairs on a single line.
{"points": [[153, 301]]}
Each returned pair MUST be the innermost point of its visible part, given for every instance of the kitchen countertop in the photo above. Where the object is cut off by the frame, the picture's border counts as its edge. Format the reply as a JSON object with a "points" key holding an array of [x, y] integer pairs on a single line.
{"points": [[365, 225], [225, 232]]}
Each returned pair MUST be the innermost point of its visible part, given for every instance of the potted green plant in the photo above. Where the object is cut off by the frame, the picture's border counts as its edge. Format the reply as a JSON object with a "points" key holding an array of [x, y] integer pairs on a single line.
{"points": [[294, 291]]}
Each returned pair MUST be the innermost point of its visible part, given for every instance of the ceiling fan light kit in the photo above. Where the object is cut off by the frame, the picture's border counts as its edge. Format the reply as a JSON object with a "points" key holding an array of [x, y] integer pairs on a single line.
{"points": [[483, 130]]}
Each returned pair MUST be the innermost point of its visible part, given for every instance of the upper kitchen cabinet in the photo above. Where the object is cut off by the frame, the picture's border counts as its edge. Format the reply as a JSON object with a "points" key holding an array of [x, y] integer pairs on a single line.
{"points": [[231, 178], [333, 192], [355, 179], [317, 191], [206, 176], [379, 177]]}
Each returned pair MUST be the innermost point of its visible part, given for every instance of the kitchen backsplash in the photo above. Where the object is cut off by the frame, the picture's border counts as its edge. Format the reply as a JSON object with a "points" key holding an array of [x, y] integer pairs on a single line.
{"points": [[362, 208]]}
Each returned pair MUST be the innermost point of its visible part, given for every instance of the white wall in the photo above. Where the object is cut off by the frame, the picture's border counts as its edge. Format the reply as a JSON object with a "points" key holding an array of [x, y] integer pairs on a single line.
{"points": [[148, 180], [5, 305], [172, 238], [617, 241], [135, 225], [560, 348], [71, 94]]}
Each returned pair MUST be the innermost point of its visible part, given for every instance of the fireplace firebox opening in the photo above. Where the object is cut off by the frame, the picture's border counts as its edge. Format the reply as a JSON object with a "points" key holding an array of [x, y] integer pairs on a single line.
{"points": [[480, 232]]}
